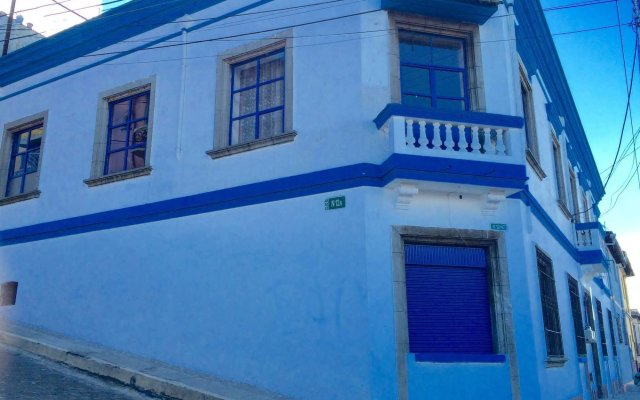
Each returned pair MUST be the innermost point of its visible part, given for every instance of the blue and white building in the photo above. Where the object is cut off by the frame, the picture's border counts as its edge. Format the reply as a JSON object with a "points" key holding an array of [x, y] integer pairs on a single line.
{"points": [[373, 199]]}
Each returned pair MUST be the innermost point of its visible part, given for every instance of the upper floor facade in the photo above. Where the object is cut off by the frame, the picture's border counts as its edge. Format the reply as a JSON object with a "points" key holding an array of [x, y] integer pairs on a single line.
{"points": [[191, 99]]}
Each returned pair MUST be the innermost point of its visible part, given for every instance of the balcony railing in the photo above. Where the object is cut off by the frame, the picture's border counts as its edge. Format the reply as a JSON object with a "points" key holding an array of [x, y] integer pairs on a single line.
{"points": [[592, 249], [453, 134]]}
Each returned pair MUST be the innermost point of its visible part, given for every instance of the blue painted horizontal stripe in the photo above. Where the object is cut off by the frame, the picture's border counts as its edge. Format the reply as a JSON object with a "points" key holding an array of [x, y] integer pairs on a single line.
{"points": [[46, 53], [459, 10], [464, 117], [460, 358], [582, 360], [541, 215], [397, 166], [600, 283], [593, 257], [581, 257]]}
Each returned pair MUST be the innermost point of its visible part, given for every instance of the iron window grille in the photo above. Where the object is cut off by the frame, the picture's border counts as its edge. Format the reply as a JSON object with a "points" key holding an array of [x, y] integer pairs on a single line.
{"points": [[433, 71], [24, 160], [603, 337], [549, 299], [612, 332], [257, 98], [127, 133], [574, 293]]}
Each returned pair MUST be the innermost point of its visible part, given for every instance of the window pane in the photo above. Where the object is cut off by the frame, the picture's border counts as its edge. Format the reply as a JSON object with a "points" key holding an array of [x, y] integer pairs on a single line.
{"points": [[449, 84], [419, 101], [22, 142], [118, 138], [271, 95], [140, 107], [32, 161], [415, 80], [30, 183], [244, 103], [36, 138], [116, 162], [425, 49], [119, 112], [13, 187], [243, 130], [414, 47], [19, 164], [447, 52], [272, 67], [456, 105], [244, 75], [271, 124], [136, 158], [138, 133]]}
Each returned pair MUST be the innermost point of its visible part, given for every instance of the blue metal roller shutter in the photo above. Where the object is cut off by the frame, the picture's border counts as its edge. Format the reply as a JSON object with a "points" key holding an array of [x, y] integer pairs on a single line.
{"points": [[448, 302]]}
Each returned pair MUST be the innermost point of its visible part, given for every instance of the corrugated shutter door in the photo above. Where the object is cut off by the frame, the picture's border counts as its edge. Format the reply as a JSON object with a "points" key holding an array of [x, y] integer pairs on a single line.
{"points": [[448, 300]]}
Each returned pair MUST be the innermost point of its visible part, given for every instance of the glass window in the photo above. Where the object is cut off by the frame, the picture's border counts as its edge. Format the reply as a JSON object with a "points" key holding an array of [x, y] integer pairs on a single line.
{"points": [[24, 161], [557, 161], [433, 71], [576, 311], [528, 113], [127, 133], [549, 299], [257, 98], [603, 336]]}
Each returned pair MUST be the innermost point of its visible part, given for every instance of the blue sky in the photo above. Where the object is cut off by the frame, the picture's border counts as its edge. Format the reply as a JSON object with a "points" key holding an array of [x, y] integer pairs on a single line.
{"points": [[593, 65]]}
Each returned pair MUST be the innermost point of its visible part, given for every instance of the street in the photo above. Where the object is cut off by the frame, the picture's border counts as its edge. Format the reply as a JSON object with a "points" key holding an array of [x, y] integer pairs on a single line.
{"points": [[26, 377]]}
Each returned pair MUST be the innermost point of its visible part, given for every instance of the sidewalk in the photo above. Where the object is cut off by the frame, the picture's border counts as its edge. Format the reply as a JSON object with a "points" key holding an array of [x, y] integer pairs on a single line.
{"points": [[147, 376], [632, 392]]}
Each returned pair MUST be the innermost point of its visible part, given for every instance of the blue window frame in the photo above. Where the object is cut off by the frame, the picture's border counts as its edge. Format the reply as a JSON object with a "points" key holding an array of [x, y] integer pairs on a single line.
{"points": [[24, 161], [127, 133], [257, 98], [433, 71]]}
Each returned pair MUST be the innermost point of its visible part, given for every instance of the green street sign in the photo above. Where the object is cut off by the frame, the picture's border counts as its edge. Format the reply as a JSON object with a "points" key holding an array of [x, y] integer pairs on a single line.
{"points": [[335, 203], [499, 227]]}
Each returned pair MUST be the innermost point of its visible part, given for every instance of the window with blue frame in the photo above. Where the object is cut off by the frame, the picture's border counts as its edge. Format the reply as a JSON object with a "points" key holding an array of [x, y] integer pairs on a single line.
{"points": [[433, 71], [257, 98], [24, 160], [127, 133]]}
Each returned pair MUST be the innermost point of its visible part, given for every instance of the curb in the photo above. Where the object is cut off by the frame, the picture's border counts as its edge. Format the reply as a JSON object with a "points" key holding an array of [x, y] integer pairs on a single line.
{"points": [[136, 379]]}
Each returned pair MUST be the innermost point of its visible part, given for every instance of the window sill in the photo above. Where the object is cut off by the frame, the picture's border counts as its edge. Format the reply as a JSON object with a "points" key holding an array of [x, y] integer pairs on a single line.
{"points": [[555, 362], [20, 197], [120, 176], [257, 144], [565, 210], [460, 358], [533, 162]]}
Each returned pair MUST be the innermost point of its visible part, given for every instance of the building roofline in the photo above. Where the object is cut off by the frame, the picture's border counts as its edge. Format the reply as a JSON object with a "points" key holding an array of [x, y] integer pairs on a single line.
{"points": [[533, 25], [115, 25]]}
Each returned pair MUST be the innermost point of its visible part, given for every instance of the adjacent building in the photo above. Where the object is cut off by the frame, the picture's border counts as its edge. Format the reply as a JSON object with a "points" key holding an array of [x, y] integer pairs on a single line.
{"points": [[21, 34], [382, 199]]}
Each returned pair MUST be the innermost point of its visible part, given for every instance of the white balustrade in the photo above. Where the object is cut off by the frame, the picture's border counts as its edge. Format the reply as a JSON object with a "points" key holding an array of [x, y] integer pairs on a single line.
{"points": [[452, 139]]}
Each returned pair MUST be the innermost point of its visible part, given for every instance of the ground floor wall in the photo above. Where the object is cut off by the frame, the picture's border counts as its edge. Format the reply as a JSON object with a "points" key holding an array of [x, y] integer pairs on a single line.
{"points": [[305, 297], [272, 295]]}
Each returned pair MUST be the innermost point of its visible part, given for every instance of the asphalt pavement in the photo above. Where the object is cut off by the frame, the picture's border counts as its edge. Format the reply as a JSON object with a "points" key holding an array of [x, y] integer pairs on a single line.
{"points": [[27, 377]]}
